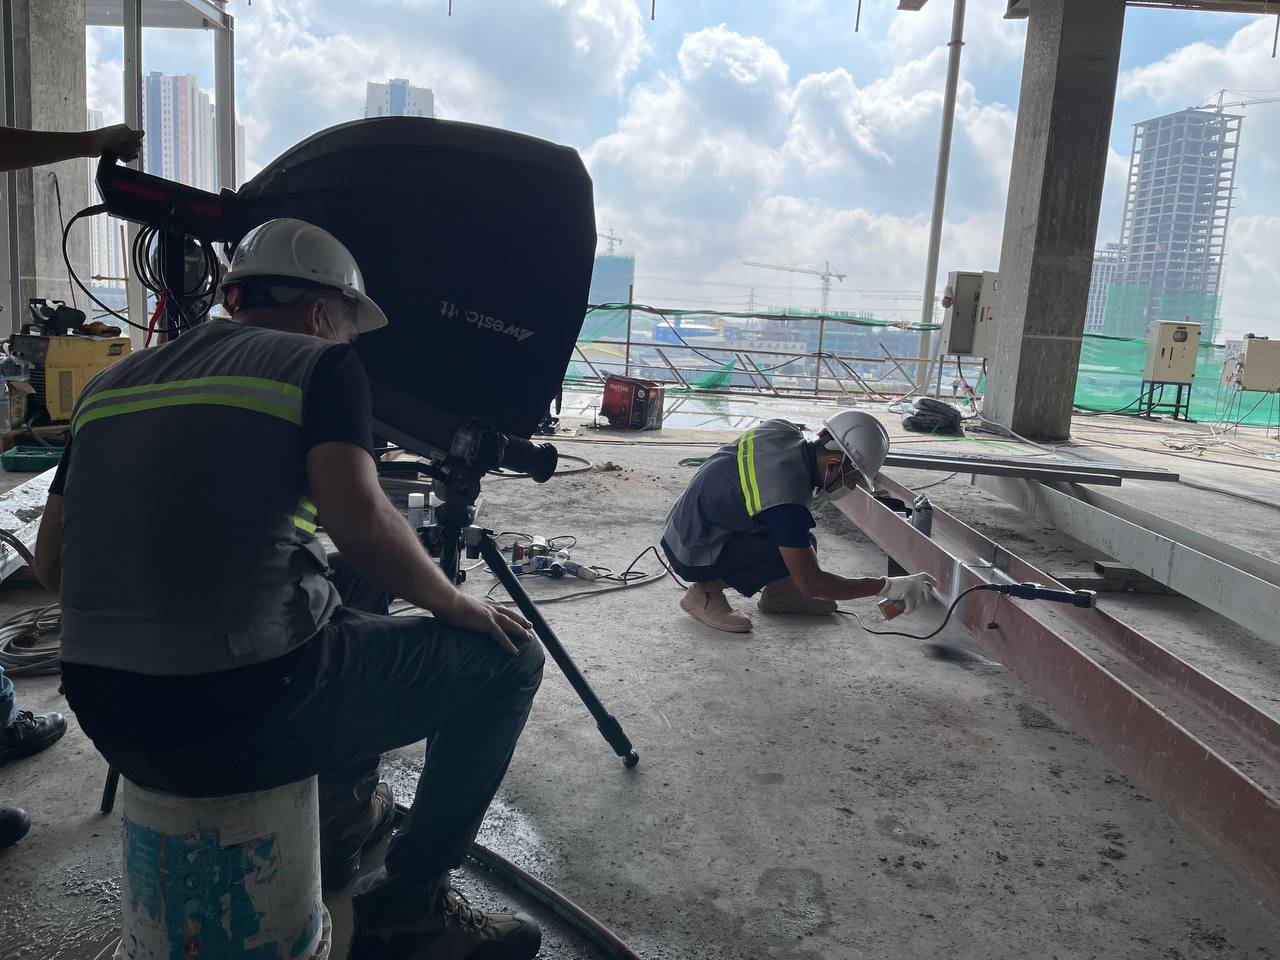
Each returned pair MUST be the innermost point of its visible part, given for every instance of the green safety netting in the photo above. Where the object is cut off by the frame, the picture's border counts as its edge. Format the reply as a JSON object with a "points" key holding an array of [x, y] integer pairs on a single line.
{"points": [[1110, 378]]}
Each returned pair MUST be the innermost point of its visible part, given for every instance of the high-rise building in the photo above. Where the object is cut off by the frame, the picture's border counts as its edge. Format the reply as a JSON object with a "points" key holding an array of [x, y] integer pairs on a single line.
{"points": [[1105, 262], [397, 98], [1172, 239], [182, 135]]}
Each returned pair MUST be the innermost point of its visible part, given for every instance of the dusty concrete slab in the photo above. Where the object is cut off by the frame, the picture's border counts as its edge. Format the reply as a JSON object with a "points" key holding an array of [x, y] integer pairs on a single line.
{"points": [[804, 791]]}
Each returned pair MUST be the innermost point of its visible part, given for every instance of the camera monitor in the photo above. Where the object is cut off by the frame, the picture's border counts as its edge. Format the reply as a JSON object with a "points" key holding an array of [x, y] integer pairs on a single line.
{"points": [[478, 245]]}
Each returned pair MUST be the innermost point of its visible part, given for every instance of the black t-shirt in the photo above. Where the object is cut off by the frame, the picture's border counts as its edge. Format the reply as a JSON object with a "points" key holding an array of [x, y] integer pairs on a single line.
{"points": [[338, 409]]}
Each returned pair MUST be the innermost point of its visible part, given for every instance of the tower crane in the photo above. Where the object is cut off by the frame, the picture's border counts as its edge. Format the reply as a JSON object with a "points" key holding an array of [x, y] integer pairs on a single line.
{"points": [[1265, 96], [825, 274]]}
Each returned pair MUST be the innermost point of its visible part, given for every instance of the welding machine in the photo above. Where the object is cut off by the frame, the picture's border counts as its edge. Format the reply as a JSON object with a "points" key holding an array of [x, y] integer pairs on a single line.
{"points": [[60, 368]]}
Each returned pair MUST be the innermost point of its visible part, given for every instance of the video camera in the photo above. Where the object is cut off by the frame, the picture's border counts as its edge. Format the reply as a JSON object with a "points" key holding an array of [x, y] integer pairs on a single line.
{"points": [[477, 243]]}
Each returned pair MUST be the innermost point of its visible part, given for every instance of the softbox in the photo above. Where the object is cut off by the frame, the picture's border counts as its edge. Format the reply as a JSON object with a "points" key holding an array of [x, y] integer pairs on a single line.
{"points": [[478, 245]]}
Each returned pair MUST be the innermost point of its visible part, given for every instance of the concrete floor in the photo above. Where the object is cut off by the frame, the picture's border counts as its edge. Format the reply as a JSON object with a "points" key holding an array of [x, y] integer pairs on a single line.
{"points": [[805, 791]]}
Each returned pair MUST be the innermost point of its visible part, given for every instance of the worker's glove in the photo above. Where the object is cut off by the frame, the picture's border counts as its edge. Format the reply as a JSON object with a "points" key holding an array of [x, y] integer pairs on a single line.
{"points": [[912, 591]]}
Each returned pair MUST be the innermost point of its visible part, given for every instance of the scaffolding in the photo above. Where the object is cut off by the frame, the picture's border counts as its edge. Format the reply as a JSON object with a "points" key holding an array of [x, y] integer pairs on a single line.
{"points": [[1173, 236]]}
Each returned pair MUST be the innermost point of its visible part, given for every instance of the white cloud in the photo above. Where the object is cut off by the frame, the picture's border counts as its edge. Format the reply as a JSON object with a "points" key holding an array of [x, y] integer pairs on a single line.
{"points": [[822, 170], [1192, 75], [1253, 277], [540, 66]]}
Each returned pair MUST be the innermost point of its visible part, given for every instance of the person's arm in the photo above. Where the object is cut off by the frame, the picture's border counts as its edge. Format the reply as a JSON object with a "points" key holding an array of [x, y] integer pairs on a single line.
{"points": [[20, 149], [370, 533], [814, 582], [48, 566]]}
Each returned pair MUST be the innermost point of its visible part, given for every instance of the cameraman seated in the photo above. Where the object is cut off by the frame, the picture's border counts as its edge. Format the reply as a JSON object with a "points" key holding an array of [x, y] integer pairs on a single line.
{"points": [[207, 647]]}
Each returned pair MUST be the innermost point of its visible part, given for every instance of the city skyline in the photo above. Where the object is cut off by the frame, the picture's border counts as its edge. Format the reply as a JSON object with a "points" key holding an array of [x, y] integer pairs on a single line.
{"points": [[398, 98]]}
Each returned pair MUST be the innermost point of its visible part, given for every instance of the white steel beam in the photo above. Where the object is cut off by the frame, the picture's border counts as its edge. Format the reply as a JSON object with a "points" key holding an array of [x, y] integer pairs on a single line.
{"points": [[225, 96], [1241, 586]]}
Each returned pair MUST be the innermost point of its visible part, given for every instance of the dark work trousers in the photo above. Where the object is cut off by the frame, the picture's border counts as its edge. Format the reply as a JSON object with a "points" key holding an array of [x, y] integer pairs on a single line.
{"points": [[748, 563], [365, 684]]}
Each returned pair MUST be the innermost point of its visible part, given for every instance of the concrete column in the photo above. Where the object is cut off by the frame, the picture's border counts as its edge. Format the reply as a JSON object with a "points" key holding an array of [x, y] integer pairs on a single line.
{"points": [[49, 94], [1051, 220]]}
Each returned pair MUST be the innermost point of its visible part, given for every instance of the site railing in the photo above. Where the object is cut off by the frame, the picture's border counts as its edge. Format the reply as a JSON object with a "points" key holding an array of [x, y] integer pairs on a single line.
{"points": [[759, 371]]}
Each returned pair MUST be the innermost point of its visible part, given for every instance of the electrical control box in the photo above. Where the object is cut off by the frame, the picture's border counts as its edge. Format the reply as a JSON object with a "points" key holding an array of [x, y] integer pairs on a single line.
{"points": [[968, 326], [984, 333], [1172, 349], [1261, 367]]}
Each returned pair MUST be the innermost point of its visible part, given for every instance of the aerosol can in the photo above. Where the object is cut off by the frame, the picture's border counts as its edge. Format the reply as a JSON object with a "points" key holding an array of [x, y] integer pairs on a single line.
{"points": [[922, 520]]}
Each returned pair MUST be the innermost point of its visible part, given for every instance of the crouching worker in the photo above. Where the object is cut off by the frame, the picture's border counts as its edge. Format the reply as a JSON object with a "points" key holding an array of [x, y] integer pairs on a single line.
{"points": [[744, 522], [208, 648]]}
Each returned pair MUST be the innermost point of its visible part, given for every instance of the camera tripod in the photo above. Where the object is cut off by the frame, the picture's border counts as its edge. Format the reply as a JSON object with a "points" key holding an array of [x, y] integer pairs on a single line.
{"points": [[454, 533]]}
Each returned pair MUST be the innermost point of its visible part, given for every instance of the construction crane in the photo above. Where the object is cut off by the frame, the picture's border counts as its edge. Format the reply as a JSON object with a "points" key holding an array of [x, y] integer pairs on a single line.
{"points": [[613, 240], [1266, 96], [825, 274]]}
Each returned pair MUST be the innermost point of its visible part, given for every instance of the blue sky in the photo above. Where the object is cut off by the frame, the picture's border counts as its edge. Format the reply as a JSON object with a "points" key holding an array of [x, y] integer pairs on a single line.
{"points": [[723, 131]]}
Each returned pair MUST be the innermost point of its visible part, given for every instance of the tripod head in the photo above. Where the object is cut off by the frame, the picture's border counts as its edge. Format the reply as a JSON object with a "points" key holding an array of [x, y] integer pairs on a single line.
{"points": [[475, 449]]}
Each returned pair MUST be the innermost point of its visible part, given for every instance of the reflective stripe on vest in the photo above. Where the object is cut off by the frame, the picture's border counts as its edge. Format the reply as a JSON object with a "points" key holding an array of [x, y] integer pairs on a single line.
{"points": [[305, 516], [260, 395], [747, 472]]}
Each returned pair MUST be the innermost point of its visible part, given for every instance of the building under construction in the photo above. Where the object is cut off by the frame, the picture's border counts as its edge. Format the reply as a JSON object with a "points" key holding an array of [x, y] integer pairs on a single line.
{"points": [[1173, 237]]}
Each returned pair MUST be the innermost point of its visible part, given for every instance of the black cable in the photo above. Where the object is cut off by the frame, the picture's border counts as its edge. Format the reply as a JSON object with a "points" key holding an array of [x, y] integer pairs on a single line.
{"points": [[92, 211], [927, 636], [57, 192]]}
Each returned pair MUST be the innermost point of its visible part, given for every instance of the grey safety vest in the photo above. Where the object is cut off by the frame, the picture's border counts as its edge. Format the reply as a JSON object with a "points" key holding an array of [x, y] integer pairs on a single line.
{"points": [[765, 467], [188, 536]]}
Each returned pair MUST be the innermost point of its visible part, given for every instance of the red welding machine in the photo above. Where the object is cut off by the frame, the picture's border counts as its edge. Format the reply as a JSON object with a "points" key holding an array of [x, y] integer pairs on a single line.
{"points": [[632, 404]]}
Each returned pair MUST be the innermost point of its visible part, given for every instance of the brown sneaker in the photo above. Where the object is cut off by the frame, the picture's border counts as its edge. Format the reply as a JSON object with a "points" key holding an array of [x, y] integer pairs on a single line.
{"points": [[342, 842], [458, 931], [707, 603], [783, 596]]}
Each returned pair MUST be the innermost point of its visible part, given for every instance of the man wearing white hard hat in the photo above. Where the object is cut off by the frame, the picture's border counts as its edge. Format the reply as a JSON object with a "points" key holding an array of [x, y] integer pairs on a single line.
{"points": [[209, 644], [745, 522]]}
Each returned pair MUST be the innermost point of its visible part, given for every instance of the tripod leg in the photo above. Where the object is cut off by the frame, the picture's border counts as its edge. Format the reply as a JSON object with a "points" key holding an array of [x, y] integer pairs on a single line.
{"points": [[607, 724], [109, 790]]}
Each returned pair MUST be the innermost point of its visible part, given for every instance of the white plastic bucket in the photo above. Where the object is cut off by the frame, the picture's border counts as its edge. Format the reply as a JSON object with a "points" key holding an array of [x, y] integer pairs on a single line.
{"points": [[223, 878]]}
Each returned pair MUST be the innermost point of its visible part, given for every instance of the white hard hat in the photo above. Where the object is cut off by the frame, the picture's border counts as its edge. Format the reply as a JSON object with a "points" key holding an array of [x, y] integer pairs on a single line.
{"points": [[862, 438], [291, 249]]}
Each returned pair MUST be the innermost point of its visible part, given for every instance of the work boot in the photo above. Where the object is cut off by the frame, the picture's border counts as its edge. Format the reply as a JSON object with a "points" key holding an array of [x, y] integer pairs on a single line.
{"points": [[30, 733], [14, 824], [344, 839], [706, 602], [454, 931], [783, 596]]}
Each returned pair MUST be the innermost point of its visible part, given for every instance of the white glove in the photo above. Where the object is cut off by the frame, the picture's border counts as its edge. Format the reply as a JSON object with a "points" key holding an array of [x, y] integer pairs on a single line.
{"points": [[912, 591]]}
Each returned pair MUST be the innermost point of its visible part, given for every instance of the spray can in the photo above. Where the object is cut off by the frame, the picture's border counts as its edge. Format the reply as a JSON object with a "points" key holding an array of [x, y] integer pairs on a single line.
{"points": [[891, 608], [922, 515], [417, 510]]}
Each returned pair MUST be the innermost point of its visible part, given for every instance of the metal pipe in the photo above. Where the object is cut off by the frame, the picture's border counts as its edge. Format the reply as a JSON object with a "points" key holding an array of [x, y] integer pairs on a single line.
{"points": [[940, 185], [135, 295], [225, 95]]}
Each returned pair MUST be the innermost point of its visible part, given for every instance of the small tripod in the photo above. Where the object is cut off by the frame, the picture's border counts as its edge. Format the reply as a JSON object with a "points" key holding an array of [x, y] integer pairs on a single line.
{"points": [[454, 532]]}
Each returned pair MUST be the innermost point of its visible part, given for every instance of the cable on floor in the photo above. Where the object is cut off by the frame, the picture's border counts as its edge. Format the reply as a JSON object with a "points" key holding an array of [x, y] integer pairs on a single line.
{"points": [[31, 640], [928, 636]]}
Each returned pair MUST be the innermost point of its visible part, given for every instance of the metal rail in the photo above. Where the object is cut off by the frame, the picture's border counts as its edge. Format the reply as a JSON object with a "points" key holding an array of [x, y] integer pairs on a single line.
{"points": [[1209, 757], [1240, 586], [809, 382]]}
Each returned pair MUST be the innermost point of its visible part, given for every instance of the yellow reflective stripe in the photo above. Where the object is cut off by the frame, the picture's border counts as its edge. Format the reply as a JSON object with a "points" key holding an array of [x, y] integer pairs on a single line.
{"points": [[754, 502], [307, 507], [306, 525], [257, 404], [742, 470], [285, 390]]}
